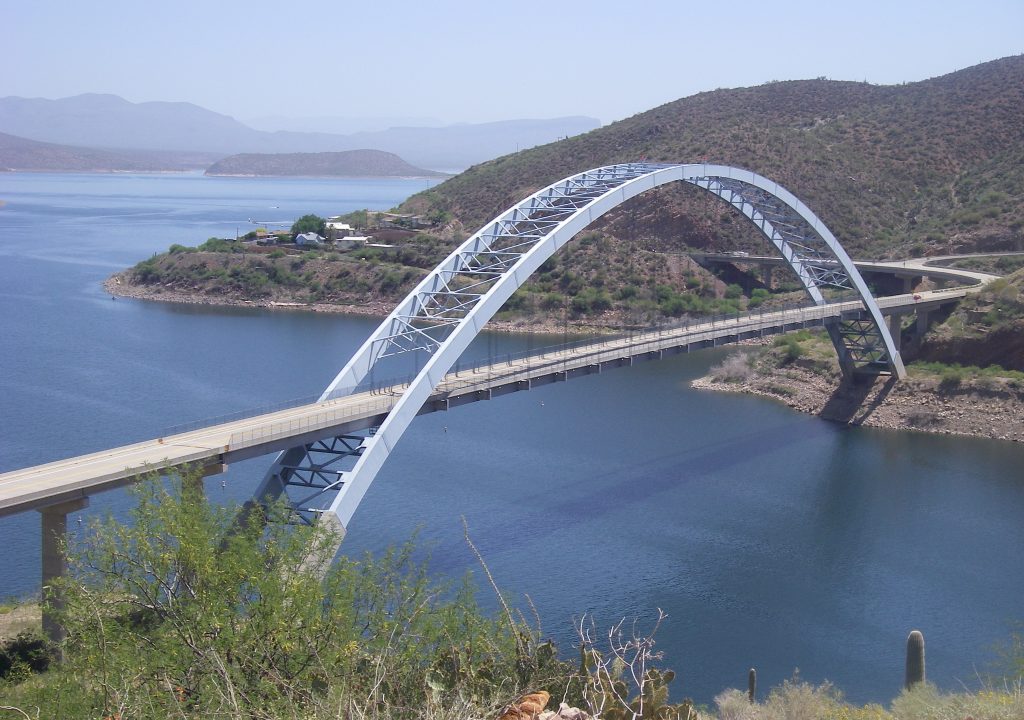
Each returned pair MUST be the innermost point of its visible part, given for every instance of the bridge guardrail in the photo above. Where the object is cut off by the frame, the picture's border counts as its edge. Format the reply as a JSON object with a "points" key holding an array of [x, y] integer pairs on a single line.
{"points": [[333, 412], [510, 367]]}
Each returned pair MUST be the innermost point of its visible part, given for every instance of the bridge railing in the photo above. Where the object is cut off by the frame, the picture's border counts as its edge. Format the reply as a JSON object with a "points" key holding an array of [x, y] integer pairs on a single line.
{"points": [[516, 367], [332, 412], [513, 366]]}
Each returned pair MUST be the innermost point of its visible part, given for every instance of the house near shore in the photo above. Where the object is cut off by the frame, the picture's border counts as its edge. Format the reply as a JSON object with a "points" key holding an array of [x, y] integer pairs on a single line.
{"points": [[262, 237], [309, 239], [336, 230], [351, 242]]}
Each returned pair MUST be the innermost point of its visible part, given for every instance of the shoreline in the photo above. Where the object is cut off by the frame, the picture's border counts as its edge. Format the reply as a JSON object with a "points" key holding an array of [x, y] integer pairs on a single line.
{"points": [[379, 309], [978, 408]]}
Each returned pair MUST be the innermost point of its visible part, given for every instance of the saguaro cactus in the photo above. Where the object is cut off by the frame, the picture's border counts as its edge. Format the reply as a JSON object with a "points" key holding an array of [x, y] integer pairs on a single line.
{"points": [[752, 685], [915, 659]]}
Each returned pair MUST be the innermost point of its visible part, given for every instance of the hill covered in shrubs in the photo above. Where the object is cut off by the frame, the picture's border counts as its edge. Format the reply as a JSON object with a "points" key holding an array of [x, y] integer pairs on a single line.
{"points": [[928, 167]]}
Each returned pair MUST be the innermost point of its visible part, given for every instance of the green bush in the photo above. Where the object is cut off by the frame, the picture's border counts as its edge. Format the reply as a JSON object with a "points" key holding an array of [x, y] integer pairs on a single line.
{"points": [[161, 625], [148, 271], [23, 654], [220, 245], [309, 223]]}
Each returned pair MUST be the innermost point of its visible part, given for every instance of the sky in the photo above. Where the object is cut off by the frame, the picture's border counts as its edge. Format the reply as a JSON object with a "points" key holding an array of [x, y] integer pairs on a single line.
{"points": [[450, 61]]}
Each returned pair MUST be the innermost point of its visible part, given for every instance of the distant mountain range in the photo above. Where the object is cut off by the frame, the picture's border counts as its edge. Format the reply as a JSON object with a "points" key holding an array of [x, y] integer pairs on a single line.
{"points": [[350, 163], [109, 122]]}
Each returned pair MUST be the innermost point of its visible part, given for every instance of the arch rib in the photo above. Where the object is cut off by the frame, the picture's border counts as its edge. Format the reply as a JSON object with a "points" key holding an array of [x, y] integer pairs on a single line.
{"points": [[451, 305]]}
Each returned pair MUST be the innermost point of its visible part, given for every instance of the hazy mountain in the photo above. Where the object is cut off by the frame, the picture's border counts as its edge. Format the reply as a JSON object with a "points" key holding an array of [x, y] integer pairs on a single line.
{"points": [[337, 124], [22, 154], [350, 163], [108, 121]]}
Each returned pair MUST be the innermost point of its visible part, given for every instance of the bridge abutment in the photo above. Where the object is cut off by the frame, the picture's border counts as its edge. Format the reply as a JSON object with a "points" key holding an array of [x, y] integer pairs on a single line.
{"points": [[54, 520]]}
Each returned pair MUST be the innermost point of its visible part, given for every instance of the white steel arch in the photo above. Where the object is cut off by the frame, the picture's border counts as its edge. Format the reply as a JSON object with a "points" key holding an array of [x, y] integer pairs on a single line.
{"points": [[443, 314]]}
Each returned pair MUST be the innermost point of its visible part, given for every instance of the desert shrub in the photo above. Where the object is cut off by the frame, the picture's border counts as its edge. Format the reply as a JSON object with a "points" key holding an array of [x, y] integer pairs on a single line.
{"points": [[147, 271], [220, 245], [161, 626], [757, 297], [926, 702], [735, 368], [26, 653], [951, 379], [791, 347]]}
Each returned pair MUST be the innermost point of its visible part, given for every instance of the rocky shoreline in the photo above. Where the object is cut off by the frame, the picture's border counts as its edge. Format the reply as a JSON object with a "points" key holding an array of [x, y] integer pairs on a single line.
{"points": [[986, 408], [116, 287], [980, 408]]}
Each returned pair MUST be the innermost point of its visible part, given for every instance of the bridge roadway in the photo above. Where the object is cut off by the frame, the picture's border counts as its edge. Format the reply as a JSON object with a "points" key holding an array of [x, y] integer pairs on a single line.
{"points": [[213, 448], [915, 267]]}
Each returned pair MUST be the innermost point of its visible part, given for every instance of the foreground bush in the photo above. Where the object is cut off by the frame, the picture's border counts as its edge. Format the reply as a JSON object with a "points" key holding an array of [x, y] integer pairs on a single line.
{"points": [[795, 700], [181, 613], [185, 613]]}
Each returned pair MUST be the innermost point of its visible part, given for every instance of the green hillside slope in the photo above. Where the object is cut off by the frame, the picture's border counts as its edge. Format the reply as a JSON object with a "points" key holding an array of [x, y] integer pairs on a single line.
{"points": [[925, 167]]}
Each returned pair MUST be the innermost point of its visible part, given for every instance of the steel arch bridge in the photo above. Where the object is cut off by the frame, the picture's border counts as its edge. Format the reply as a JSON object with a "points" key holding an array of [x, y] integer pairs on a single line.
{"points": [[325, 480]]}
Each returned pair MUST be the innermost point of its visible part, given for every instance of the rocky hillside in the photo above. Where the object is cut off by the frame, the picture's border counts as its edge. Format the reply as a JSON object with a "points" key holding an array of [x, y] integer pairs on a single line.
{"points": [[922, 168], [985, 329], [351, 163]]}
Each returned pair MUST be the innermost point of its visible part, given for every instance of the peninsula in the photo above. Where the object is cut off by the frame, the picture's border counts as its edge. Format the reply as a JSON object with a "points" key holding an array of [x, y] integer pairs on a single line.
{"points": [[350, 163]]}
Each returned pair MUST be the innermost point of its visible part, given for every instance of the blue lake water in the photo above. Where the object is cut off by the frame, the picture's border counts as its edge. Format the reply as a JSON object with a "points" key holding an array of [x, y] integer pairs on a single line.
{"points": [[771, 539]]}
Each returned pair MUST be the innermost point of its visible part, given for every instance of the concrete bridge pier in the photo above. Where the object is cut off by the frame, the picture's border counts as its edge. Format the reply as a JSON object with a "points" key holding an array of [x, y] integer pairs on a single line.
{"points": [[924, 321], [766, 276], [55, 565], [895, 322]]}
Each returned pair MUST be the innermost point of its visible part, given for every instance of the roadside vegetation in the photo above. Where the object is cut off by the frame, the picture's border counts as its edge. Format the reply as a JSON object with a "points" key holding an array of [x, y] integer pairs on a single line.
{"points": [[986, 329], [159, 626]]}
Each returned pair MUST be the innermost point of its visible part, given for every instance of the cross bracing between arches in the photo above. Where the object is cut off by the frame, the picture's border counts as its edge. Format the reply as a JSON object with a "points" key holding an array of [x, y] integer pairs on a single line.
{"points": [[451, 305]]}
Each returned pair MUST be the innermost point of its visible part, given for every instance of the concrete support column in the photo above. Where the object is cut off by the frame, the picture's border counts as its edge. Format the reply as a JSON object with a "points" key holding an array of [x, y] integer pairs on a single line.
{"points": [[895, 323], [766, 276], [908, 284], [55, 565], [924, 320]]}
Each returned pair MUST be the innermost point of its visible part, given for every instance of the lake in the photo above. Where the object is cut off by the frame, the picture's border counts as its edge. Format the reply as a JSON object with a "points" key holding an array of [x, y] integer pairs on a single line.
{"points": [[770, 538]]}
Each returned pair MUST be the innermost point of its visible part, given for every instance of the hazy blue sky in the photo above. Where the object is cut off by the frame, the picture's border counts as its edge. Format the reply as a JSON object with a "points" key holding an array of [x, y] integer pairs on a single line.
{"points": [[455, 60]]}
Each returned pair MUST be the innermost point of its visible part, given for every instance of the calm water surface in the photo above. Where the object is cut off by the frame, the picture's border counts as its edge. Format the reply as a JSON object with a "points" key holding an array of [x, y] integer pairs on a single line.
{"points": [[770, 538]]}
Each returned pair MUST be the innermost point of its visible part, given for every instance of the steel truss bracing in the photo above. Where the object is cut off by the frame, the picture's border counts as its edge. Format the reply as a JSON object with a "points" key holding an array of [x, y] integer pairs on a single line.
{"points": [[440, 317], [314, 472]]}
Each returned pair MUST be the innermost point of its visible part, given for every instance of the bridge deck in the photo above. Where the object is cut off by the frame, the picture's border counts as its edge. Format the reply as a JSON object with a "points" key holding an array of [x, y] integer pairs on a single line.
{"points": [[218, 445]]}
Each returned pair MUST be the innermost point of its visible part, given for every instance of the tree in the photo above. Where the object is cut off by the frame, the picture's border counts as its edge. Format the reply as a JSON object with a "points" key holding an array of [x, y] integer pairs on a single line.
{"points": [[184, 612], [309, 223]]}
